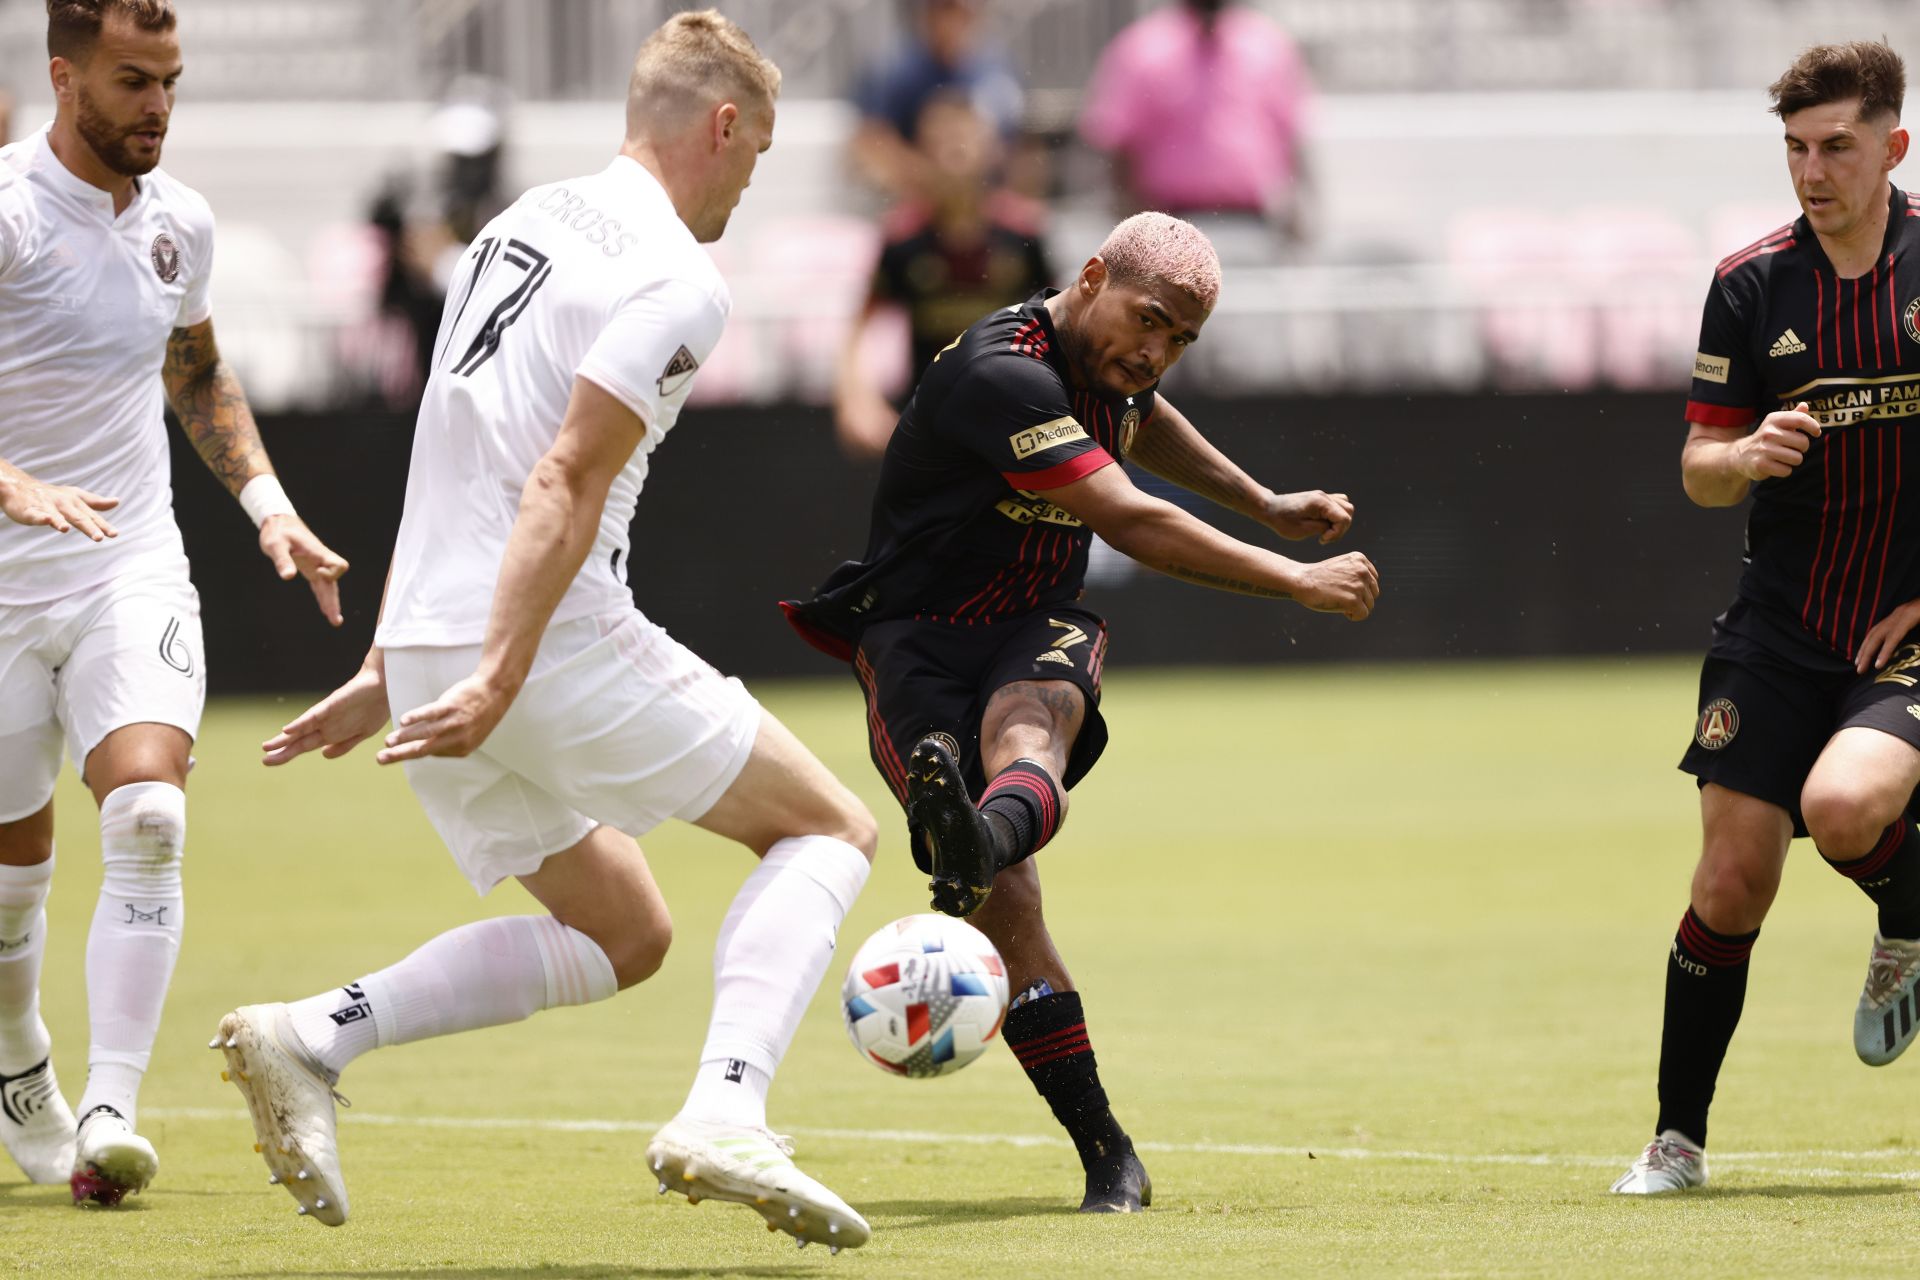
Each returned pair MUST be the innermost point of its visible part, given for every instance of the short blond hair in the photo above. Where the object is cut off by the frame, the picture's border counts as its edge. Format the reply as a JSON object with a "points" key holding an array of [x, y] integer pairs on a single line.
{"points": [[694, 59], [1160, 247]]}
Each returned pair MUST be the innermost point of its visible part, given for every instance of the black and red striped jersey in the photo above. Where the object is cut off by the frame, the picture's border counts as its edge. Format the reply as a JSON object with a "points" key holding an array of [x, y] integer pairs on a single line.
{"points": [[962, 531], [1834, 546]]}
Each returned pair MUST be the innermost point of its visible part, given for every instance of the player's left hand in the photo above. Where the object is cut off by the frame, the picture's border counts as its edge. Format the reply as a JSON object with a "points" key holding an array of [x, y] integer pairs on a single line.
{"points": [[291, 546], [1885, 636], [454, 724], [1313, 514]]}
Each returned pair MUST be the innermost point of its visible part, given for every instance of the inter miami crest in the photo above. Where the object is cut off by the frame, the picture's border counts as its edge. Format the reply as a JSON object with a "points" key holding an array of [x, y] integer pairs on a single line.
{"points": [[1718, 723], [166, 258], [678, 373]]}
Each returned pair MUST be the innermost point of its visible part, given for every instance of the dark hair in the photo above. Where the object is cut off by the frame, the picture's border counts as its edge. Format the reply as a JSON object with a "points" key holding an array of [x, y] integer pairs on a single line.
{"points": [[1863, 69], [74, 25]]}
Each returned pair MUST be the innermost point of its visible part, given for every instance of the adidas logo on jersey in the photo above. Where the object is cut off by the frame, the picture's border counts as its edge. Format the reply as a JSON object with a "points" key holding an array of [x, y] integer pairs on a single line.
{"points": [[1787, 344], [1054, 655]]}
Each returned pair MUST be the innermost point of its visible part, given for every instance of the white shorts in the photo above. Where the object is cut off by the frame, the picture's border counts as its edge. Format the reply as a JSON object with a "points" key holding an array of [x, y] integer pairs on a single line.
{"points": [[618, 725], [77, 668]]}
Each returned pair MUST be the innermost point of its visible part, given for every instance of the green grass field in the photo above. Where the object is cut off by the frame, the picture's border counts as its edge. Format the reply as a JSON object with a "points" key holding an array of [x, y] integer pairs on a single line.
{"points": [[1372, 958]]}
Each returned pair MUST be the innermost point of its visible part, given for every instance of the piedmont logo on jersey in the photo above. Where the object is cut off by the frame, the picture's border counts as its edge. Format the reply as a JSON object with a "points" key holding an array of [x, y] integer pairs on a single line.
{"points": [[1718, 723], [1048, 434], [678, 372], [1711, 368], [166, 258]]}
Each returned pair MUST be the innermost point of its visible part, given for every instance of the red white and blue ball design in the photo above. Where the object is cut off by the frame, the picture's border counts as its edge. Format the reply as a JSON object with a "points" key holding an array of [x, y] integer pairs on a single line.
{"points": [[924, 996]]}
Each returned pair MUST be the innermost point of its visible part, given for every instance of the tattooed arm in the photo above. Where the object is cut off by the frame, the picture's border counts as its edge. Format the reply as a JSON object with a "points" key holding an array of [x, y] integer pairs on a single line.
{"points": [[212, 409], [1169, 445]]}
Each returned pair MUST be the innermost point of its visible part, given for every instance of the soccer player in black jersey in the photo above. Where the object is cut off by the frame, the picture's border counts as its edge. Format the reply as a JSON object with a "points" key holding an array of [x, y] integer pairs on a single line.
{"points": [[1809, 718], [981, 670]]}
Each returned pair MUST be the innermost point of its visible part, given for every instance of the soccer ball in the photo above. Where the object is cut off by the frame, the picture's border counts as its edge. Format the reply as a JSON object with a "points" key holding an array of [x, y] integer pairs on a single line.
{"points": [[924, 996]]}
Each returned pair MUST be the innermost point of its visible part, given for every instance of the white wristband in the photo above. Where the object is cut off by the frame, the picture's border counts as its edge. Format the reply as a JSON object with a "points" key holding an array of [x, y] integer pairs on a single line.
{"points": [[262, 496]]}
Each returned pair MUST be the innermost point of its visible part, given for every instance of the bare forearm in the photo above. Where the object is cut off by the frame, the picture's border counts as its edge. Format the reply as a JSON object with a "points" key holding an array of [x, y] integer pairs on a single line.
{"points": [[1708, 474], [551, 537], [1173, 449], [213, 412], [1179, 545]]}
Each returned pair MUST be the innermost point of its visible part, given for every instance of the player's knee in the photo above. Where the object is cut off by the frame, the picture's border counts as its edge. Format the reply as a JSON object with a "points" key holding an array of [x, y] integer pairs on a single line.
{"points": [[858, 828], [1844, 818], [1732, 895], [144, 827], [637, 953]]}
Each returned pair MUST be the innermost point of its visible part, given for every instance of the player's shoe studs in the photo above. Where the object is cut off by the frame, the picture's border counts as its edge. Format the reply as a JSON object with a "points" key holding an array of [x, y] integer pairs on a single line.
{"points": [[110, 1160], [754, 1167], [291, 1099], [37, 1124], [1888, 1015], [940, 814], [1670, 1163]]}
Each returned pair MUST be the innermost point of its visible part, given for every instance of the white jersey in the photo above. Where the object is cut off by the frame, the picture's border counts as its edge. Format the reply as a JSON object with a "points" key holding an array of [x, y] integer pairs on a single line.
{"points": [[87, 302], [596, 278]]}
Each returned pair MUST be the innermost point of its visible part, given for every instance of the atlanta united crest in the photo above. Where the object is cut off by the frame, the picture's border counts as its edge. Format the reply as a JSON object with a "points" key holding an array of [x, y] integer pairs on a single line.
{"points": [[1911, 321], [166, 259], [1718, 723], [1129, 426]]}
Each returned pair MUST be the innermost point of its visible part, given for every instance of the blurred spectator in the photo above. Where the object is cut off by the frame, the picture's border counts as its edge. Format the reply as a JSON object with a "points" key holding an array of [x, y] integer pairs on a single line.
{"points": [[950, 257], [1201, 105], [947, 53]]}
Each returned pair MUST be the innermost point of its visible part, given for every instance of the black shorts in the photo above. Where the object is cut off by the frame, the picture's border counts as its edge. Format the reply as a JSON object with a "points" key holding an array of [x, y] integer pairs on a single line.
{"points": [[1763, 719], [936, 677]]}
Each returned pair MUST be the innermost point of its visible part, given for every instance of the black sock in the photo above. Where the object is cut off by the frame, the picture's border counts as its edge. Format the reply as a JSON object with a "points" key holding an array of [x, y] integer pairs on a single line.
{"points": [[1890, 875], [1049, 1036], [1706, 985], [1027, 803]]}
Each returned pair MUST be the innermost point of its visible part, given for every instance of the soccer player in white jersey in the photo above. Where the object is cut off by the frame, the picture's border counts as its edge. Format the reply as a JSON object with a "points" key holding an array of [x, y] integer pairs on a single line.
{"points": [[104, 264], [539, 715]]}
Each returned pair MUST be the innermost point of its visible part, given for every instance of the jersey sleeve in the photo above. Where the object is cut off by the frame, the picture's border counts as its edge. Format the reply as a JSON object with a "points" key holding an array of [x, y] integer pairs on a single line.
{"points": [[648, 352], [1727, 389], [196, 304], [1012, 412], [15, 224]]}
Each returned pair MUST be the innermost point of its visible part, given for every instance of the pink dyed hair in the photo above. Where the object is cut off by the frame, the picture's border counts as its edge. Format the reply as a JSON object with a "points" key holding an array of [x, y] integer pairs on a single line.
{"points": [[1159, 246]]}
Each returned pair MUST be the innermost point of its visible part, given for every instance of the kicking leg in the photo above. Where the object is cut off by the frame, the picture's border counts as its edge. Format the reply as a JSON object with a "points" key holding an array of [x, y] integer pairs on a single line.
{"points": [[1743, 853], [1855, 803], [815, 840], [609, 929], [35, 1120]]}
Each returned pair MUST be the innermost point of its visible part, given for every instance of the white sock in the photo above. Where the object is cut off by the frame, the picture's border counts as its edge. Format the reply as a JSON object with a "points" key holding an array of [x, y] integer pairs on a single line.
{"points": [[483, 974], [774, 948], [24, 1041], [135, 938]]}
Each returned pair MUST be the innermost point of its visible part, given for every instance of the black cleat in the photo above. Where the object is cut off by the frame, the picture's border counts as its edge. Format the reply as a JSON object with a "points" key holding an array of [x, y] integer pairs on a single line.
{"points": [[1117, 1184], [940, 812]]}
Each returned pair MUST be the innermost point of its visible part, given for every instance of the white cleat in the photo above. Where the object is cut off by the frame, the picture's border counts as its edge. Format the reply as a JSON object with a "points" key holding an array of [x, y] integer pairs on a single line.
{"points": [[1888, 1015], [706, 1159], [110, 1160], [37, 1124], [291, 1101], [1671, 1162]]}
